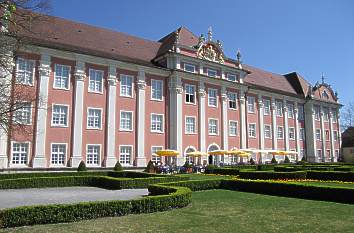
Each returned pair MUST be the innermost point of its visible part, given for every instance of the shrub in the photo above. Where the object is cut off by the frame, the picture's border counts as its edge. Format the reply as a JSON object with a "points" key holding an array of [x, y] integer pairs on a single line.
{"points": [[198, 185], [286, 159], [252, 161], [52, 174], [82, 167], [150, 168], [267, 175], [344, 168], [224, 171], [274, 161], [118, 167], [288, 168], [265, 167], [331, 175], [210, 168]]}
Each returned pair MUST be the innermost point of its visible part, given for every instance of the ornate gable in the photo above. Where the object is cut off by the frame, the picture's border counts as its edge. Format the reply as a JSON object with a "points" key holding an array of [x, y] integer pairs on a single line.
{"points": [[210, 50]]}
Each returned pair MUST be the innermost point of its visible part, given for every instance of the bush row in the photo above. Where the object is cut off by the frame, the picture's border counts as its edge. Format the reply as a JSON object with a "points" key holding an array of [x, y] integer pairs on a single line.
{"points": [[222, 171], [198, 185], [331, 175], [268, 175], [305, 191], [173, 197]]}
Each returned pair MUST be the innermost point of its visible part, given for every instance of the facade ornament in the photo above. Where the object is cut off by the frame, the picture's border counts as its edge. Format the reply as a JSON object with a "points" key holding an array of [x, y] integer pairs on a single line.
{"points": [[44, 70], [218, 42], [211, 53], [210, 34], [260, 103], [202, 92], [175, 47], [201, 41], [140, 84], [238, 61], [80, 75]]}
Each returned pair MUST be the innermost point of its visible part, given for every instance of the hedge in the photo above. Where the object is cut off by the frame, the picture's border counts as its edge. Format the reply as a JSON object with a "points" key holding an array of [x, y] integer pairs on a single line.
{"points": [[267, 175], [331, 175], [173, 197], [288, 168], [288, 189], [198, 185], [344, 168], [223, 171]]}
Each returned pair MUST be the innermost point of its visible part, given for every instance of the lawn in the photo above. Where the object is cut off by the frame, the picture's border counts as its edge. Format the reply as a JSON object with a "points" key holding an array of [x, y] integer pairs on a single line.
{"points": [[224, 211], [333, 184]]}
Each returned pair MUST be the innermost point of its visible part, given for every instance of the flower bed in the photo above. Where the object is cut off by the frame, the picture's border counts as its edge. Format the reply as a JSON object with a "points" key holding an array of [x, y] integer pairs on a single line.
{"points": [[268, 175]]}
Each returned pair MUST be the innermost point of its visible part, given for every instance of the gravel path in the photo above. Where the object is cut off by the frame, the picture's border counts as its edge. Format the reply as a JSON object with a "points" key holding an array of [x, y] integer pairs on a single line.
{"points": [[38, 196]]}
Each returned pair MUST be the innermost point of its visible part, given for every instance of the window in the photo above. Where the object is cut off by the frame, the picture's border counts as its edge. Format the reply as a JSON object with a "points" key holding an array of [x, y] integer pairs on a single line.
{"points": [[335, 135], [318, 134], [266, 107], [233, 128], [58, 154], [24, 71], [212, 97], [231, 77], [336, 153], [62, 77], [19, 153], [325, 95], [156, 89], [302, 134], [327, 135], [317, 113], [95, 80], [280, 132], [190, 93], [232, 100], [290, 111], [156, 123], [155, 158], [23, 113], [94, 117], [125, 154], [190, 125], [302, 154], [211, 73], [279, 106], [60, 115], [93, 154], [328, 154], [334, 115], [126, 121], [326, 114], [126, 85], [267, 131], [252, 130], [292, 133], [213, 127], [300, 112], [319, 153], [189, 67], [250, 104]]}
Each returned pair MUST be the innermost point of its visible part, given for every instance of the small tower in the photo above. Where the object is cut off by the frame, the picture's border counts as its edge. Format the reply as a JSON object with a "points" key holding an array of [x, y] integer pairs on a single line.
{"points": [[210, 34], [238, 61]]}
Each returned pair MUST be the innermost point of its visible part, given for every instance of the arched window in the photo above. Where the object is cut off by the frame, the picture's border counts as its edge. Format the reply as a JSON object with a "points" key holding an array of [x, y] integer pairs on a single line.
{"points": [[325, 95], [189, 159]]}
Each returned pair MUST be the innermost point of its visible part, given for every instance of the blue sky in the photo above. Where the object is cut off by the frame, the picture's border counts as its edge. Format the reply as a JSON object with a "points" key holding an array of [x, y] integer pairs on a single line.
{"points": [[310, 37]]}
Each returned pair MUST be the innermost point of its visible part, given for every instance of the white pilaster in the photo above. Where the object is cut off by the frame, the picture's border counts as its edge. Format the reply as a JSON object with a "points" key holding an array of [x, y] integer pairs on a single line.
{"points": [[141, 84], [286, 124], [3, 149], [225, 122], [202, 136], [111, 117], [297, 130], [44, 73], [243, 123], [274, 125], [261, 125], [176, 90], [310, 132], [331, 136], [78, 113], [323, 136]]}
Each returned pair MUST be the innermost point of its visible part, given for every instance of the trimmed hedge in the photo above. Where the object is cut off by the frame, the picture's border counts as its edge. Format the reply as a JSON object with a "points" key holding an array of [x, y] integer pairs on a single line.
{"points": [[344, 169], [288, 168], [266, 175], [223, 171], [305, 191], [331, 175], [173, 197], [198, 185]]}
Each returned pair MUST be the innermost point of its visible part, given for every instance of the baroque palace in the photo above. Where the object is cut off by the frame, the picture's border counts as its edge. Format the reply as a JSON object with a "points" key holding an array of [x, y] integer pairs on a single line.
{"points": [[104, 96]]}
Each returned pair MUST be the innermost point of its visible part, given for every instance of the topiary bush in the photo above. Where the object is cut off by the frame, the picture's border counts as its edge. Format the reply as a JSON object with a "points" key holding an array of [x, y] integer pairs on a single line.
{"points": [[274, 161], [118, 167], [252, 161], [82, 167], [286, 160]]}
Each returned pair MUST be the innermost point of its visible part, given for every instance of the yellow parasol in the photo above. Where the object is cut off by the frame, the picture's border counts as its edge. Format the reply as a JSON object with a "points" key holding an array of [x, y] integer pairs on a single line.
{"points": [[167, 153], [244, 154], [218, 152], [196, 153], [234, 152]]}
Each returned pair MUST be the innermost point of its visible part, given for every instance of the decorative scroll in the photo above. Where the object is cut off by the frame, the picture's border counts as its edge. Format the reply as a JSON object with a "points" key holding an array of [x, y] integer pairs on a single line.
{"points": [[210, 52]]}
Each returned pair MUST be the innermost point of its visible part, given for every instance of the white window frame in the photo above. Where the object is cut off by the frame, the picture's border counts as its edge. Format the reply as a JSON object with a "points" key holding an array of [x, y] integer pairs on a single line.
{"points": [[61, 77], [87, 118], [327, 135], [230, 100], [270, 131], [301, 113], [67, 115], [163, 123], [319, 153], [121, 85], [190, 65], [317, 113], [152, 89], [27, 158], [318, 134], [217, 126], [186, 87], [212, 70], [131, 155], [99, 156], [231, 80], [95, 81], [292, 134], [120, 120], [279, 108], [302, 134], [335, 135], [251, 108], [253, 133], [25, 82], [236, 127], [291, 112], [15, 121], [195, 125], [267, 107], [325, 114], [51, 154], [212, 97], [155, 158], [282, 132]]}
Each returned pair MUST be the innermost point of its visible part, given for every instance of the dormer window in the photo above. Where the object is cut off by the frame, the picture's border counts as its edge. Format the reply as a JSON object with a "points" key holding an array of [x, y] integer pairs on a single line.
{"points": [[325, 95], [211, 73], [231, 77], [189, 67]]}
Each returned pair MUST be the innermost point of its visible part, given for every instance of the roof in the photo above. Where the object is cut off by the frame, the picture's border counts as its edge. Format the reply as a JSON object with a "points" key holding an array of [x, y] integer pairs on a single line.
{"points": [[64, 34], [348, 137]]}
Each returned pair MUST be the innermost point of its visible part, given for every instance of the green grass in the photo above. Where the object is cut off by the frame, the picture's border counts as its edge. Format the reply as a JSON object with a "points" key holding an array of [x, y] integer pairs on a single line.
{"points": [[224, 211], [333, 184]]}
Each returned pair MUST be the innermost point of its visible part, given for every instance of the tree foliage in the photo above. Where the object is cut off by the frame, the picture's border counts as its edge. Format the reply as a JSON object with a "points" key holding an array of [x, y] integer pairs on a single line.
{"points": [[347, 116]]}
